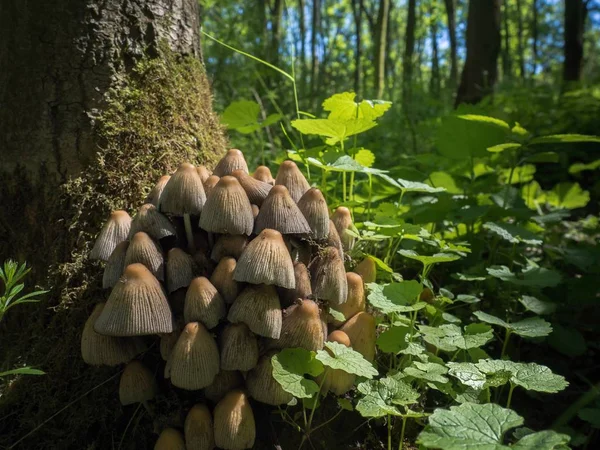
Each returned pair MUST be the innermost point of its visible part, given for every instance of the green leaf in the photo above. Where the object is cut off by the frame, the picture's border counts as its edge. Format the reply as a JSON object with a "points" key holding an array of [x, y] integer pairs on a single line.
{"points": [[22, 371], [537, 306], [415, 186], [343, 106], [445, 181], [428, 371], [469, 426], [289, 367], [543, 157], [379, 396], [502, 147], [564, 139], [530, 376], [521, 174], [543, 440], [401, 297], [429, 260], [393, 340], [338, 316], [591, 416], [364, 157], [580, 167], [567, 340], [344, 358], [530, 327], [468, 374], [513, 233], [532, 276], [334, 130], [449, 337], [568, 195], [345, 404]]}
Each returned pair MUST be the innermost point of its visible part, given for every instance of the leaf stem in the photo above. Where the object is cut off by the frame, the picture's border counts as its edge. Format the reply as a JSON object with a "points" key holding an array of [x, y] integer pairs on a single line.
{"points": [[389, 430], [401, 443], [510, 393], [505, 345]]}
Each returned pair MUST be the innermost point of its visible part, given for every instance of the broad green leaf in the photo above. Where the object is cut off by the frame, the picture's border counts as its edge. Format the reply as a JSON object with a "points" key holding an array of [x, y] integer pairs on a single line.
{"points": [[466, 298], [591, 416], [241, 114], [568, 195], [449, 337], [415, 186], [513, 233], [338, 316], [537, 306], [289, 367], [581, 167], [530, 376], [567, 340], [393, 340], [543, 440], [22, 371], [521, 174], [469, 426], [379, 299], [444, 180], [502, 147], [429, 371], [344, 358], [530, 327], [379, 396], [364, 157], [533, 195], [467, 277], [429, 260], [564, 139], [468, 374], [334, 130], [345, 404], [532, 276], [343, 106]]}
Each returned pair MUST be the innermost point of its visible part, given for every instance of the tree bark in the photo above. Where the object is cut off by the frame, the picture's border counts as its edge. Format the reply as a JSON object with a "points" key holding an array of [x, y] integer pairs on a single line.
{"points": [[451, 18], [506, 57], [357, 11], [302, 58], [314, 66], [483, 45], [520, 43], [380, 46], [534, 36], [434, 84], [276, 18], [409, 50], [576, 12]]}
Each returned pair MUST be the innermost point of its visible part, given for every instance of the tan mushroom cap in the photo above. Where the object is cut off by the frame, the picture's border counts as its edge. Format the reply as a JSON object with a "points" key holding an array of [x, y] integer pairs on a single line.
{"points": [[154, 196], [367, 270], [225, 381], [184, 192], [114, 266], [210, 183], [355, 302], [329, 277], [263, 387], [280, 212], [255, 211], [203, 303], [198, 429], [227, 209], [342, 219], [194, 361], [290, 176], [259, 308], [333, 239], [314, 208], [263, 173], [361, 329], [234, 424], [337, 381], [203, 173], [233, 160], [114, 232], [144, 250], [228, 245], [223, 279], [97, 350], [302, 327], [266, 260], [239, 348], [303, 287], [137, 306], [149, 220], [180, 269], [170, 439], [137, 384], [168, 341], [256, 190]]}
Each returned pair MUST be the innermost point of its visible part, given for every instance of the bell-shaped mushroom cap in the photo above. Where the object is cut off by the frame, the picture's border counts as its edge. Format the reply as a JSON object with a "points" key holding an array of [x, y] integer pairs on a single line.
{"points": [[203, 173], [362, 333], [114, 266], [184, 192], [233, 160], [198, 428], [280, 212], [227, 209], [302, 326], [223, 279], [203, 303], [259, 308], [137, 384], [263, 387], [168, 341], [355, 301], [98, 350], [290, 176], [303, 288], [266, 260], [342, 219], [234, 424], [137, 306], [210, 183], [337, 381], [154, 195], [329, 277], [239, 348], [225, 381], [194, 361], [170, 439], [314, 207], [255, 211], [256, 190], [180, 269], [263, 173], [367, 270], [149, 220], [114, 232], [142, 249], [333, 239], [229, 245]]}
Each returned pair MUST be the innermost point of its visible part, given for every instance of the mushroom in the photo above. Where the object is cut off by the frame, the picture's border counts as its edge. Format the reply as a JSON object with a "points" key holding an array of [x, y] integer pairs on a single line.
{"points": [[233, 160], [263, 387], [194, 361], [203, 303], [136, 306], [263, 173], [256, 190], [335, 380], [367, 270], [151, 221], [198, 429], [223, 279], [142, 249], [228, 245], [314, 208], [280, 212], [168, 341], [227, 209], [210, 183], [239, 348], [234, 424], [180, 269], [302, 326], [255, 211], [302, 289], [203, 173], [137, 385], [170, 439], [328, 277], [266, 260], [114, 266], [333, 239], [114, 231], [259, 308], [225, 381], [97, 350], [355, 302], [154, 195], [290, 176], [362, 333], [342, 219]]}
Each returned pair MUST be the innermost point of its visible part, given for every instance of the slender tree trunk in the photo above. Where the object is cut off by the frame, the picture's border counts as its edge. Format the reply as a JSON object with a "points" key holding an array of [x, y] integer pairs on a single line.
{"points": [[277, 17], [434, 84], [314, 66], [520, 43], [380, 46], [576, 12], [409, 50], [534, 36], [506, 59], [357, 11], [483, 45], [302, 57], [451, 18]]}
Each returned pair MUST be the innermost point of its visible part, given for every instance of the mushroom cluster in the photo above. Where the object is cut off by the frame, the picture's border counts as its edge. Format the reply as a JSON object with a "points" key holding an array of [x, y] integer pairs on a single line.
{"points": [[227, 269]]}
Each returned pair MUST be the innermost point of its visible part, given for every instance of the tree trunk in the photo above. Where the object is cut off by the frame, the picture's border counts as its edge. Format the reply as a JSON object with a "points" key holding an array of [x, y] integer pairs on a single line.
{"points": [[451, 17], [483, 45], [302, 72], [434, 82], [506, 57], [409, 50], [357, 11], [380, 46], [276, 18], [314, 66], [575, 15], [534, 36], [520, 44]]}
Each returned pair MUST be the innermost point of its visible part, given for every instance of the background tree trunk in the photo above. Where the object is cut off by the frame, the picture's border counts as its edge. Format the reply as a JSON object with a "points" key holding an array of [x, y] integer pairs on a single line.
{"points": [[520, 43], [451, 18], [380, 46], [575, 15], [483, 45], [434, 82], [357, 11], [534, 36], [506, 57], [409, 50], [314, 66]]}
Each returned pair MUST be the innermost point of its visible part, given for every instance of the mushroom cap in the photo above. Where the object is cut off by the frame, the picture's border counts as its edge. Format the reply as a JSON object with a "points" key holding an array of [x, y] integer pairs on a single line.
{"points": [[280, 212], [329, 277], [361, 329], [154, 195], [355, 301], [256, 190], [198, 429], [233, 160], [170, 439], [168, 341], [203, 173], [367, 270], [225, 381], [114, 231], [239, 348], [114, 266], [259, 308], [234, 424], [266, 260], [136, 306], [263, 173], [210, 183], [184, 192], [342, 219], [227, 209], [337, 381], [97, 350], [194, 361], [228, 245], [302, 327], [290, 176], [303, 288], [255, 211], [151, 221], [314, 208], [263, 387], [203, 303], [180, 269], [144, 250], [223, 279], [333, 239], [137, 384]]}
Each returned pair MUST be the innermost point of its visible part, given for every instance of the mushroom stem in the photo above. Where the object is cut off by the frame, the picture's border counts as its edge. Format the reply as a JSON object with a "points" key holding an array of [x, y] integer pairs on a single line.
{"points": [[188, 232]]}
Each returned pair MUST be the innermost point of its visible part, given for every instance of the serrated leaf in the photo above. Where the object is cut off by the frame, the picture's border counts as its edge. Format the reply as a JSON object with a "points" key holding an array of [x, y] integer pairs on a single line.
{"points": [[444, 180], [530, 327], [380, 396], [346, 359], [513, 233], [564, 139], [543, 440], [415, 186], [337, 316], [537, 306], [581, 167], [393, 340], [345, 404], [398, 303], [502, 147], [568, 195], [240, 114], [289, 367], [530, 376], [532, 276], [468, 374], [429, 371], [364, 157], [334, 130], [449, 337], [343, 106], [429, 260]]}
